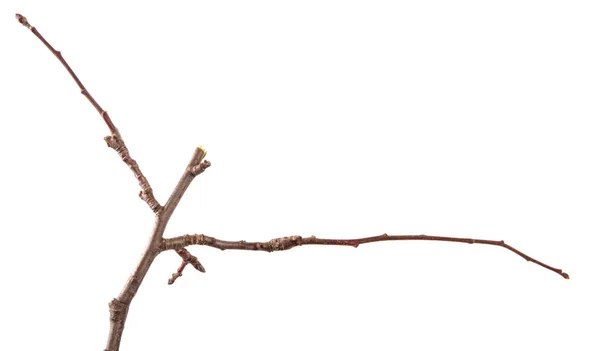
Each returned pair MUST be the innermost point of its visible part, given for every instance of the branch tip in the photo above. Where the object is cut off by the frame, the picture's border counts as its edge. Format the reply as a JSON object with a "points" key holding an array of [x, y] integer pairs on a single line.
{"points": [[23, 20], [187, 258], [174, 278]]}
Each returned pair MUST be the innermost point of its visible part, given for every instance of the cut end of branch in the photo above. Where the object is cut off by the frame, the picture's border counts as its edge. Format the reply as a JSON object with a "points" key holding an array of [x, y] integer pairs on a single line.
{"points": [[202, 149], [23, 20]]}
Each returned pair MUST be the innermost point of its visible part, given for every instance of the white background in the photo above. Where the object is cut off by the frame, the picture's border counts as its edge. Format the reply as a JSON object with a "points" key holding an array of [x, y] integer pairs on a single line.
{"points": [[335, 119]]}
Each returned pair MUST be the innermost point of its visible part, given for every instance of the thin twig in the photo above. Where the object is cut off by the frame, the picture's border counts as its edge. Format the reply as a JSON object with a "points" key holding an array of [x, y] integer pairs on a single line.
{"points": [[288, 242], [187, 258], [177, 274], [114, 141], [191, 259]]}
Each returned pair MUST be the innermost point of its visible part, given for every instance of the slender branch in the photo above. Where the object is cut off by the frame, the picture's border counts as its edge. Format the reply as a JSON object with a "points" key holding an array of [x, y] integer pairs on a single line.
{"points": [[114, 141], [288, 242], [187, 258], [177, 274], [191, 259]]}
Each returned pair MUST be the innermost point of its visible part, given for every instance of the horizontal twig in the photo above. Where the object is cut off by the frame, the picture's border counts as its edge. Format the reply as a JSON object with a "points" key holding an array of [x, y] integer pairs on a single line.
{"points": [[288, 242]]}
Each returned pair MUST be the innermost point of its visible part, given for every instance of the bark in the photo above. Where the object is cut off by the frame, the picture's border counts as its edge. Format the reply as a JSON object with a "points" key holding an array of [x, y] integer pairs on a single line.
{"points": [[119, 307]]}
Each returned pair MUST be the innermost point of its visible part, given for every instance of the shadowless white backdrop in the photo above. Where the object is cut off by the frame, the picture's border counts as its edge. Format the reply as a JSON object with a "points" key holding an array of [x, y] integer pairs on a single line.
{"points": [[338, 119]]}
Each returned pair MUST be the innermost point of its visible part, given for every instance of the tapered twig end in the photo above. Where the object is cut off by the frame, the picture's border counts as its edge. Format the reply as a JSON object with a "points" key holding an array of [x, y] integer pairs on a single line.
{"points": [[23, 20], [565, 275]]}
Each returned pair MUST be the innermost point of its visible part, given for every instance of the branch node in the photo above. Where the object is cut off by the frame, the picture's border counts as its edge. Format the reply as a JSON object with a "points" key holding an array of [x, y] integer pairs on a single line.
{"points": [[174, 277], [286, 243], [199, 168], [118, 310], [110, 142], [116, 143]]}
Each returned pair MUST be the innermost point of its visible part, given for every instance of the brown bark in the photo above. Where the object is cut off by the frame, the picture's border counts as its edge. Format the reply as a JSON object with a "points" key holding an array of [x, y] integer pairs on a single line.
{"points": [[119, 307]]}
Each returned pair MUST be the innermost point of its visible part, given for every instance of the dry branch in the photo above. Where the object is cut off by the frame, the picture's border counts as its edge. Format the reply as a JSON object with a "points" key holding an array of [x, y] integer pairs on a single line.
{"points": [[114, 141], [288, 242], [119, 307], [188, 258]]}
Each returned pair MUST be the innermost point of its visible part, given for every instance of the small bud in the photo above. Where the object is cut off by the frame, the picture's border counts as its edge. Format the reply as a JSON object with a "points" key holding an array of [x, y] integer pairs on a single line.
{"points": [[23, 20]]}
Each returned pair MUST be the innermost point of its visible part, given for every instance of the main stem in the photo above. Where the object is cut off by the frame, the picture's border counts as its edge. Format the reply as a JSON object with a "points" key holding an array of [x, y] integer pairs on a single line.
{"points": [[120, 306]]}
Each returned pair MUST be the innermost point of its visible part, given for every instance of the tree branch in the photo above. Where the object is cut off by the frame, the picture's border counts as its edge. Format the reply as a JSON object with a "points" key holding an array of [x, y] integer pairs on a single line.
{"points": [[187, 258], [152, 250], [114, 141], [288, 242], [119, 307]]}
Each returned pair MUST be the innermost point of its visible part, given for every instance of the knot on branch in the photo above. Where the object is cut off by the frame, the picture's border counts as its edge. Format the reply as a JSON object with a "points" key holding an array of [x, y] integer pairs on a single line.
{"points": [[118, 310], [116, 142], [147, 196], [284, 243], [199, 168]]}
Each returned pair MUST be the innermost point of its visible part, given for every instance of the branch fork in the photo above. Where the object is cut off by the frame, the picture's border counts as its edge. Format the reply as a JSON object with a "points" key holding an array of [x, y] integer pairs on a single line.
{"points": [[119, 307], [200, 166]]}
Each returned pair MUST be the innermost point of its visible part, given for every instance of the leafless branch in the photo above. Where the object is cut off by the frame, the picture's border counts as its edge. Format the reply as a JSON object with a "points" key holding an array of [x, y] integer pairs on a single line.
{"points": [[119, 307], [152, 250], [288, 242], [114, 141], [187, 258]]}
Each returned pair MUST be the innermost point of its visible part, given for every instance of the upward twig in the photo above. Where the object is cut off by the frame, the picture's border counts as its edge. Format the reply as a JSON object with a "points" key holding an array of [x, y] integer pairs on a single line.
{"points": [[114, 141]]}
